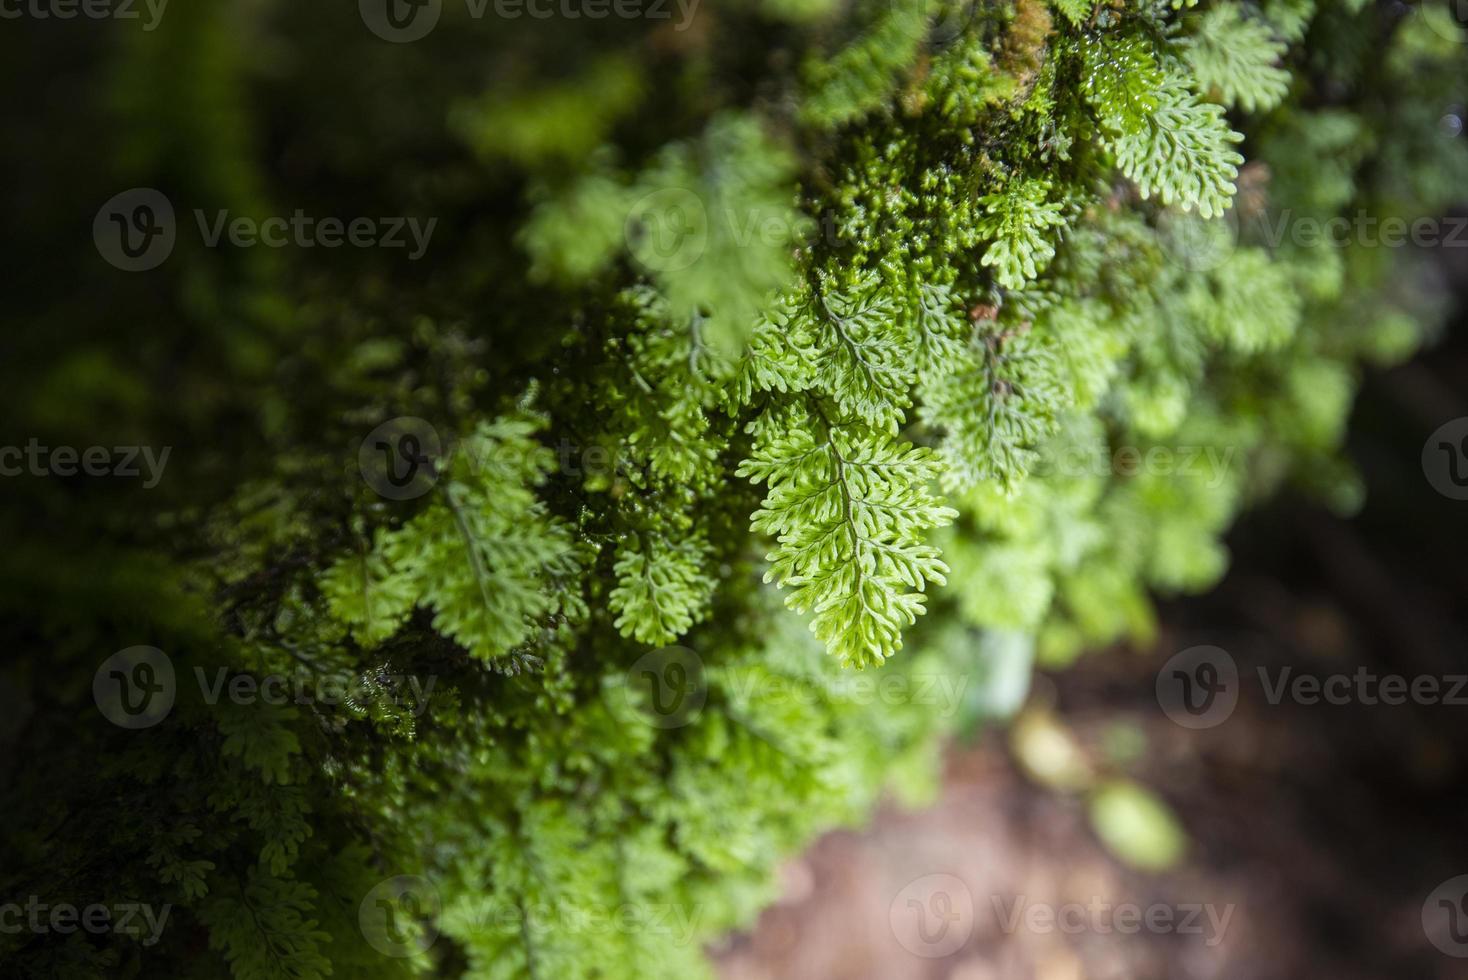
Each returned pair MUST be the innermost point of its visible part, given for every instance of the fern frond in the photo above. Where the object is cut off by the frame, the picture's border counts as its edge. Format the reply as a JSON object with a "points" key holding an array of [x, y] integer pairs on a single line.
{"points": [[263, 927], [1018, 219], [781, 356], [662, 587], [1171, 144], [863, 361], [364, 595], [850, 514], [941, 331], [858, 78], [1235, 58], [1000, 400], [485, 556]]}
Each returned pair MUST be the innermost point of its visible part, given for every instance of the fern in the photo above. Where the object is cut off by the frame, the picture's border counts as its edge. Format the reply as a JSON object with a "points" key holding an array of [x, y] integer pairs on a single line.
{"points": [[261, 738], [850, 513], [714, 223], [363, 593], [994, 407], [1017, 219], [858, 78], [263, 928], [861, 361], [1236, 59], [1174, 146], [661, 588], [483, 556], [655, 383]]}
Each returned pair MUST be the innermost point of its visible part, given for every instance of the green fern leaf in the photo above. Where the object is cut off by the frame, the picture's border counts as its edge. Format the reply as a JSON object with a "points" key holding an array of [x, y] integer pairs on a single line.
{"points": [[1167, 141], [994, 408], [362, 593], [1018, 219], [486, 556], [864, 361], [1236, 58], [849, 514], [661, 587]]}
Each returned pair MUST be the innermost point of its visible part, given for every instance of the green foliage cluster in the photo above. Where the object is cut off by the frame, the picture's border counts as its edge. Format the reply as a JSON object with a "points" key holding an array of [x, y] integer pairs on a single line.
{"points": [[835, 306]]}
